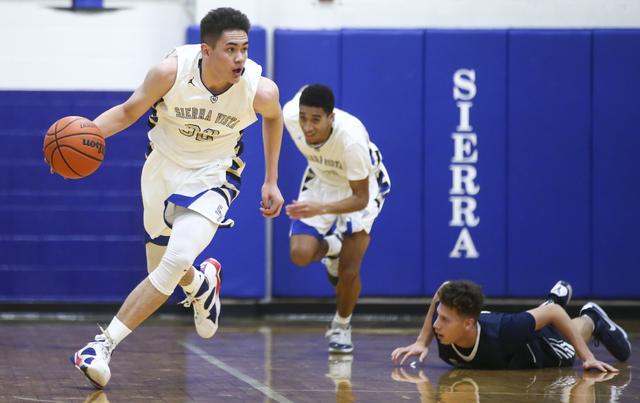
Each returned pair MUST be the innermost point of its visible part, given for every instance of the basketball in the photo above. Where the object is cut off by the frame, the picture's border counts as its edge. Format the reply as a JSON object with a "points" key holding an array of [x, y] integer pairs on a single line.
{"points": [[74, 147]]}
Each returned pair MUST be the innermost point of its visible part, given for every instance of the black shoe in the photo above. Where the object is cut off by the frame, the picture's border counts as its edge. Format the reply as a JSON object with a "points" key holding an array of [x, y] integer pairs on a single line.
{"points": [[605, 331]]}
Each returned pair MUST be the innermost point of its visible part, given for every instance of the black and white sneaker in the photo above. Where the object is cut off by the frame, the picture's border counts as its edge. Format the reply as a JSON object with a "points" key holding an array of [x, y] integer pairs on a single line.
{"points": [[607, 332], [339, 338], [332, 263], [560, 294]]}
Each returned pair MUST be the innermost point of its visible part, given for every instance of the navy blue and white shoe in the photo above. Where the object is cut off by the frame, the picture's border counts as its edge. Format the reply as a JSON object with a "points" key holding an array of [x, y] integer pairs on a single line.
{"points": [[560, 294], [607, 332], [332, 262], [93, 360], [339, 338], [206, 301]]}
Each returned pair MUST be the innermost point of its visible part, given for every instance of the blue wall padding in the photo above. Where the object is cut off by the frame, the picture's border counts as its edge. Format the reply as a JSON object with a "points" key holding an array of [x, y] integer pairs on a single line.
{"points": [[556, 118], [382, 84], [616, 165], [307, 57], [484, 52], [193, 34], [549, 147], [316, 60], [82, 239]]}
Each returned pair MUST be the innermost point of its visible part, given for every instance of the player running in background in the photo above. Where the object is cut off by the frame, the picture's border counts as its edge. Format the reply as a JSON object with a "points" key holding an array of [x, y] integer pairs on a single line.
{"points": [[203, 97], [541, 337], [343, 190]]}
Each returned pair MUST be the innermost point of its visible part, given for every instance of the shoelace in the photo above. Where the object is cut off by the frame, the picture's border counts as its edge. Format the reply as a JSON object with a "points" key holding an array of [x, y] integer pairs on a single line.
{"points": [[106, 340], [187, 301]]}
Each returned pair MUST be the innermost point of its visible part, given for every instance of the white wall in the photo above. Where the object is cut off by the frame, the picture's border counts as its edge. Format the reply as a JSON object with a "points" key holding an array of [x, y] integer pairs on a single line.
{"points": [[314, 14], [43, 48]]}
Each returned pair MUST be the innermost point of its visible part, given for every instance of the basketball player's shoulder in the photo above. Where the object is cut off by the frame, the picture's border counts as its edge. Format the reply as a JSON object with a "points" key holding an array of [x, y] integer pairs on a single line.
{"points": [[161, 77], [267, 98], [350, 127]]}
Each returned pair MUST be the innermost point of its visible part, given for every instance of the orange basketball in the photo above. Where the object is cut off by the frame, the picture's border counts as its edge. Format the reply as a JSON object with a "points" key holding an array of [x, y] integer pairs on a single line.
{"points": [[74, 147]]}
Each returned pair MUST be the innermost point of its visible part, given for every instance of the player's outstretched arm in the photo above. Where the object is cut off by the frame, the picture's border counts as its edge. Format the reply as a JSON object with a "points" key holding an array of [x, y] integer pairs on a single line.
{"points": [[555, 315], [267, 104], [421, 346], [157, 83]]}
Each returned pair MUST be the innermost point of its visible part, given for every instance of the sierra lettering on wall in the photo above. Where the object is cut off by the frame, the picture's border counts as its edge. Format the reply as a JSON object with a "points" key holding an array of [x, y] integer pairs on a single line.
{"points": [[463, 171]]}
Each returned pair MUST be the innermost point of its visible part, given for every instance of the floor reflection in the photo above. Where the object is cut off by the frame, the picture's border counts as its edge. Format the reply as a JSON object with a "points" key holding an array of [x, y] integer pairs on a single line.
{"points": [[566, 385], [97, 396], [282, 361], [340, 373]]}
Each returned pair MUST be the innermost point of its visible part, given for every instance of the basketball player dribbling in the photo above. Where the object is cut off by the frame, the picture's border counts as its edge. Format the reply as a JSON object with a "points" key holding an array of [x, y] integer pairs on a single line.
{"points": [[343, 190], [202, 96]]}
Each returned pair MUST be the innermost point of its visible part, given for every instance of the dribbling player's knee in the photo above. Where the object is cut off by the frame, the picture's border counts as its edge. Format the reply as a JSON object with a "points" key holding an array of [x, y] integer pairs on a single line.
{"points": [[172, 268], [300, 257]]}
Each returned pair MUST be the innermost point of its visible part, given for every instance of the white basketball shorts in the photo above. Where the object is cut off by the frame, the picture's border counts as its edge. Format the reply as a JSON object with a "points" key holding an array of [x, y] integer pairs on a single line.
{"points": [[312, 189], [208, 191]]}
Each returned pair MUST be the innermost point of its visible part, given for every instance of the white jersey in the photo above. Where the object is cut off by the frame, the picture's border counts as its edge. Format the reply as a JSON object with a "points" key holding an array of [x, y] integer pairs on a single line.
{"points": [[194, 127], [347, 155]]}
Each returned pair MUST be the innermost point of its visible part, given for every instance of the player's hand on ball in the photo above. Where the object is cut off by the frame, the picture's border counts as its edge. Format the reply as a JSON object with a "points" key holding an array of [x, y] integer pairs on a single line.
{"points": [[51, 170]]}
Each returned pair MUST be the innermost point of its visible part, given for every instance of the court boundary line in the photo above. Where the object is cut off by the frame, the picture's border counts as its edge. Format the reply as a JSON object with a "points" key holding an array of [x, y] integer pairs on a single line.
{"points": [[229, 369]]}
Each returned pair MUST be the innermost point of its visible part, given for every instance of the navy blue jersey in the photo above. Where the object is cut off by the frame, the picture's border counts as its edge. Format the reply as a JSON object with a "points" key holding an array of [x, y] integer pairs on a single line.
{"points": [[510, 341]]}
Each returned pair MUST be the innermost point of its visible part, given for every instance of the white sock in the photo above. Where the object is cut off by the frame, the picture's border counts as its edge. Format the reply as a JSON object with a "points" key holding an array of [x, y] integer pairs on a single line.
{"points": [[334, 243], [343, 321], [117, 330], [194, 286]]}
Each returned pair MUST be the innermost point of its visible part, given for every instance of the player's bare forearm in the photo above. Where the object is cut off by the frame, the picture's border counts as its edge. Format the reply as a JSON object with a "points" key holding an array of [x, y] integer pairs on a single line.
{"points": [[306, 209], [426, 333], [421, 346], [272, 199], [114, 120], [356, 202], [272, 139], [267, 104]]}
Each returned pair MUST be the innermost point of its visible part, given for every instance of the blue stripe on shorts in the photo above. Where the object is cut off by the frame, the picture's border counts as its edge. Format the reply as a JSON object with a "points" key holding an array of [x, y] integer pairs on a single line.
{"points": [[298, 227]]}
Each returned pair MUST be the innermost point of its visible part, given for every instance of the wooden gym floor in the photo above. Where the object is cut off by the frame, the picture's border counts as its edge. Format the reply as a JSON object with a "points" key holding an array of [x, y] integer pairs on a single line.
{"points": [[276, 360]]}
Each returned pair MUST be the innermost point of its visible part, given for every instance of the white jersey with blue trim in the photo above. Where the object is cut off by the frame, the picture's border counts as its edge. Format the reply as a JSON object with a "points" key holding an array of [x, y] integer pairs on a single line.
{"points": [[195, 127], [347, 155]]}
